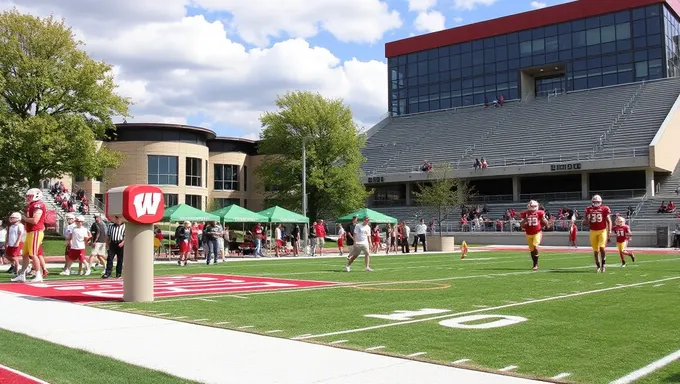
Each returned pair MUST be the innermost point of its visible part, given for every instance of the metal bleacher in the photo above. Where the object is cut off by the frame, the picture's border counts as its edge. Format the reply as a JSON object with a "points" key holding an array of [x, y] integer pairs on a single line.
{"points": [[595, 123]]}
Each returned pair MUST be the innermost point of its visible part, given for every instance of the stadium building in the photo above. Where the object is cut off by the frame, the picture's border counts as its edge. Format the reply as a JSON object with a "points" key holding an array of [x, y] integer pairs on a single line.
{"points": [[591, 106], [190, 164]]}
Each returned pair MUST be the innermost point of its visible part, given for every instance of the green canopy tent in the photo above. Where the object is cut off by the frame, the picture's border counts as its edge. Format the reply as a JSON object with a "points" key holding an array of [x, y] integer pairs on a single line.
{"points": [[277, 214], [375, 216], [236, 214], [184, 212]]}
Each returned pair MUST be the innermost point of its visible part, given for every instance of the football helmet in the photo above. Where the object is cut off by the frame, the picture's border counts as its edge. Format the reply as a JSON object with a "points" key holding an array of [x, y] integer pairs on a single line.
{"points": [[620, 220], [597, 201], [14, 217], [33, 194], [533, 205]]}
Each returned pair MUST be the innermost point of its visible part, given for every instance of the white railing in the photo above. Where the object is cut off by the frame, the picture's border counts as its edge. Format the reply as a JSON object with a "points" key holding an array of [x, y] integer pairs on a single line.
{"points": [[557, 158], [556, 225]]}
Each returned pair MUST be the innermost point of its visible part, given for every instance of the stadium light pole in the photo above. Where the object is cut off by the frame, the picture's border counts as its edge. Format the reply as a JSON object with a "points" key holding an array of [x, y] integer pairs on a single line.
{"points": [[305, 229]]}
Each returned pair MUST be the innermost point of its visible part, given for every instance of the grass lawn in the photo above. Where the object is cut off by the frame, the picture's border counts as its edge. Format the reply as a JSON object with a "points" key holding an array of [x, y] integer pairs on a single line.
{"points": [[56, 364], [563, 319]]}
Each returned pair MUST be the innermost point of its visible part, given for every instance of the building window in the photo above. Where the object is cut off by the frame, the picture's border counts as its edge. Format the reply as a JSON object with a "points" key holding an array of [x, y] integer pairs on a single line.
{"points": [[162, 170], [194, 172], [195, 201], [223, 202], [226, 177], [245, 178], [170, 199], [80, 178]]}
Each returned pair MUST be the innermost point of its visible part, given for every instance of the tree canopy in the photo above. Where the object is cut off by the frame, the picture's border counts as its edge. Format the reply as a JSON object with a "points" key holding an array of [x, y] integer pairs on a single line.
{"points": [[56, 103], [333, 144], [443, 191]]}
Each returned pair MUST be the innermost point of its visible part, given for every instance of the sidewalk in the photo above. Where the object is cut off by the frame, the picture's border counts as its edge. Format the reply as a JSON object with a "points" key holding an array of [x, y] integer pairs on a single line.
{"points": [[213, 355]]}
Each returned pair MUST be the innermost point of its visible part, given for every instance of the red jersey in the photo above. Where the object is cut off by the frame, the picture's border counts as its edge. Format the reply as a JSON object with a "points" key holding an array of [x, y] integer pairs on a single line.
{"points": [[572, 232], [194, 233], [534, 221], [622, 233], [30, 210], [597, 217], [320, 230]]}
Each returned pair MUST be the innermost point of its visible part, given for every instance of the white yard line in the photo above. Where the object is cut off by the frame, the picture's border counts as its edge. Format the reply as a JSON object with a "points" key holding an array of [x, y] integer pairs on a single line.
{"points": [[509, 368], [374, 348], [338, 342], [658, 285], [274, 331], [461, 361], [644, 371], [201, 320], [552, 298], [561, 376], [378, 283], [210, 300], [246, 326], [417, 354], [179, 317], [223, 322]]}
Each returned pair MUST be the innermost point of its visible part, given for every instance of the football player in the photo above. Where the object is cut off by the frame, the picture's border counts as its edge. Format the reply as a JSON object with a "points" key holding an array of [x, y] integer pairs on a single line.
{"points": [[623, 236], [533, 222], [34, 220], [598, 217]]}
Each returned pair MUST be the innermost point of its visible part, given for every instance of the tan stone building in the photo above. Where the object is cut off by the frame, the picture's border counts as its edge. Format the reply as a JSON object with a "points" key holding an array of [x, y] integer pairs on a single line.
{"points": [[190, 164]]}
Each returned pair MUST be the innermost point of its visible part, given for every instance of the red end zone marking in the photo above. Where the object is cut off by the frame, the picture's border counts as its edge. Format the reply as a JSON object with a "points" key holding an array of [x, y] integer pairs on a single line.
{"points": [[84, 291], [11, 376]]}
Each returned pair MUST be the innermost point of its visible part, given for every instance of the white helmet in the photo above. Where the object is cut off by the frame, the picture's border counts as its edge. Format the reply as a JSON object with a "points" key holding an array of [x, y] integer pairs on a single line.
{"points": [[533, 205], [80, 218], [620, 220], [34, 194], [14, 217], [70, 216], [597, 201]]}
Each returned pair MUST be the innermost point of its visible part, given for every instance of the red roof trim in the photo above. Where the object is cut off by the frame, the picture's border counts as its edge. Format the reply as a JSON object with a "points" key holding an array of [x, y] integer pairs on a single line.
{"points": [[518, 22]]}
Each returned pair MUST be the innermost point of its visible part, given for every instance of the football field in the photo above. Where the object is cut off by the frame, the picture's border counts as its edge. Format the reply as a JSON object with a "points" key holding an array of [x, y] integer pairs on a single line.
{"points": [[489, 311]]}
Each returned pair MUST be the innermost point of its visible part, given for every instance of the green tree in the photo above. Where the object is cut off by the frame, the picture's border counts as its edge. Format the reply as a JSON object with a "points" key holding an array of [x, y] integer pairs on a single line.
{"points": [[56, 103], [333, 145], [443, 191]]}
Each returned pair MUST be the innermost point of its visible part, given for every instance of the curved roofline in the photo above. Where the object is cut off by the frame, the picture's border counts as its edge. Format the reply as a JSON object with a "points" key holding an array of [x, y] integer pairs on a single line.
{"points": [[228, 138], [210, 135]]}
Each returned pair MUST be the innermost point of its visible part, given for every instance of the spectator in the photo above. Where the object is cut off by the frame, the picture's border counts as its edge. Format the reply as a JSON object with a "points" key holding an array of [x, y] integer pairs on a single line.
{"points": [[662, 208], [501, 100], [477, 164], [295, 239], [677, 191], [486, 102], [484, 164], [629, 212], [671, 207], [427, 167], [320, 231], [182, 239]]}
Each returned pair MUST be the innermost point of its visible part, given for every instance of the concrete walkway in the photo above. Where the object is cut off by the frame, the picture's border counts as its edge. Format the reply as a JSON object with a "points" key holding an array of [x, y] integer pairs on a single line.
{"points": [[213, 355]]}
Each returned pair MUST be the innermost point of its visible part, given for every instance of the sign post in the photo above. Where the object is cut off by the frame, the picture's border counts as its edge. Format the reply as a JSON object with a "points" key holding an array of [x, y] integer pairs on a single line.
{"points": [[140, 206]]}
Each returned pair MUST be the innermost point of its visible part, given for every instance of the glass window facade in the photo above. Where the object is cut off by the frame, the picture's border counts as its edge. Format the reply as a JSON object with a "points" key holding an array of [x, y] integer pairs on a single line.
{"points": [[672, 37], [194, 172], [221, 202], [170, 199], [598, 51], [226, 177], [195, 201], [162, 170]]}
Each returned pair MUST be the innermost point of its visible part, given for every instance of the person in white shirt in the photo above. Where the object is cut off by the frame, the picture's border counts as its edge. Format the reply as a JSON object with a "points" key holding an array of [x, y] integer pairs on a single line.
{"points": [[14, 241], [77, 239], [279, 240], [3, 238], [421, 231], [70, 224], [362, 236], [341, 238]]}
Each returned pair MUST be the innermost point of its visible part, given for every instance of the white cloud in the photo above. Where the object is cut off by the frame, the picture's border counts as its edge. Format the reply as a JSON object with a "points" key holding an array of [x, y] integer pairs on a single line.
{"points": [[471, 4], [176, 67], [257, 21], [458, 20], [430, 21], [421, 5], [538, 4]]}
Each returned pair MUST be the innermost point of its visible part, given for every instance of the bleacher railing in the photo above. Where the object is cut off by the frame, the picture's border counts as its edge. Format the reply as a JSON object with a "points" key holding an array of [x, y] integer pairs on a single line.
{"points": [[556, 225], [556, 158]]}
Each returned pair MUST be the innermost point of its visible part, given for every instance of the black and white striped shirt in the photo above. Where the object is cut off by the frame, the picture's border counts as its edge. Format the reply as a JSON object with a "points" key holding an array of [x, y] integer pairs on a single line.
{"points": [[116, 233]]}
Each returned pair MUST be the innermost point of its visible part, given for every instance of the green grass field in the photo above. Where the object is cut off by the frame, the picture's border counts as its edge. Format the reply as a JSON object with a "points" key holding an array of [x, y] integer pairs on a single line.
{"points": [[594, 327], [56, 364]]}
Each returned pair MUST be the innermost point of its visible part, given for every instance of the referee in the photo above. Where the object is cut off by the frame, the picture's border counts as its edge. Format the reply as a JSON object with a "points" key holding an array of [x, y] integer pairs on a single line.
{"points": [[115, 239]]}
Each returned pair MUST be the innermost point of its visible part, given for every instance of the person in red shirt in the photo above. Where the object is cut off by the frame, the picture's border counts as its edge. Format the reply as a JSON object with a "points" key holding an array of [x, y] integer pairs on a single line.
{"points": [[258, 237], [193, 239], [320, 230], [572, 233], [598, 217], [533, 221], [623, 236]]}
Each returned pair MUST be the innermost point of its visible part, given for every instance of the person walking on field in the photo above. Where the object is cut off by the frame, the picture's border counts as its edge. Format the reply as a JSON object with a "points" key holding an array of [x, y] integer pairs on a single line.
{"points": [[115, 241], [421, 231], [362, 236], [98, 231]]}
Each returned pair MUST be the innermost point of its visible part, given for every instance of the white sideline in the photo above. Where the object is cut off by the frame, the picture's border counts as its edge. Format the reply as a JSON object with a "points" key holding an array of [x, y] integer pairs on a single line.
{"points": [[644, 371], [35, 379], [180, 349], [551, 298]]}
